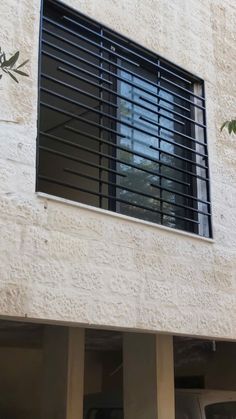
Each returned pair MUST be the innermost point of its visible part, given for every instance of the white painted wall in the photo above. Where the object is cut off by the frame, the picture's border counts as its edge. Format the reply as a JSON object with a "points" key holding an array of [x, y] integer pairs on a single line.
{"points": [[67, 263]]}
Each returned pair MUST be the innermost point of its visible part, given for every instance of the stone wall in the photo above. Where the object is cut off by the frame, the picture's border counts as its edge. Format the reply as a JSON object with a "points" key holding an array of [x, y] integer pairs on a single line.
{"points": [[70, 263]]}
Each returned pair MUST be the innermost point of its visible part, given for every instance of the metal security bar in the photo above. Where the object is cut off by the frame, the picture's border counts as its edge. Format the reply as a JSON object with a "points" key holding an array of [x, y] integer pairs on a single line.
{"points": [[120, 128]]}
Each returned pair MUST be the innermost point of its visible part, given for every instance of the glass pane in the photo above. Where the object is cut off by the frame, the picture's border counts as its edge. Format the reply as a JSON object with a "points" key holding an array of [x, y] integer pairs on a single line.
{"points": [[226, 410]]}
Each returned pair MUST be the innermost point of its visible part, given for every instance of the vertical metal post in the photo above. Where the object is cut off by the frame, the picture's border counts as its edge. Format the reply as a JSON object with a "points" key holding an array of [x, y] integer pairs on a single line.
{"points": [[100, 123], [159, 140]]}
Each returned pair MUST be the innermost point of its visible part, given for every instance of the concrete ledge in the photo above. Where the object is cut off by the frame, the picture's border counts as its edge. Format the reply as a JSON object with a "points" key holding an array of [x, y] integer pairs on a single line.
{"points": [[123, 217]]}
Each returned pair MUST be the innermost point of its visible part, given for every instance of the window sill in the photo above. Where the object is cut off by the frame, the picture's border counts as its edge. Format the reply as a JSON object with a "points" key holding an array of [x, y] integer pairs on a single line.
{"points": [[61, 200]]}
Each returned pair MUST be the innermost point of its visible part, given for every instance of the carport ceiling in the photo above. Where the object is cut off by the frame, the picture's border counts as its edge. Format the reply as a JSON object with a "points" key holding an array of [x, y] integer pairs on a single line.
{"points": [[31, 335]]}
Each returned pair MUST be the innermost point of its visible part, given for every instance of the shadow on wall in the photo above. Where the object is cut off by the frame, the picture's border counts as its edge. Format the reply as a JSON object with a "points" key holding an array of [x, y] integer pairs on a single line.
{"points": [[20, 382]]}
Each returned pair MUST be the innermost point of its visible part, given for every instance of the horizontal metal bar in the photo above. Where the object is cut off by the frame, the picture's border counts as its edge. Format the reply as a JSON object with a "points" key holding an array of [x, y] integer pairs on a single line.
{"points": [[111, 197], [62, 60], [172, 179], [172, 111], [180, 193], [133, 151], [181, 97], [130, 51], [175, 75], [103, 59], [116, 76], [109, 129], [191, 150], [117, 55], [155, 112], [182, 88], [72, 144], [111, 117], [85, 162], [87, 51], [107, 156], [144, 156], [79, 118], [161, 98], [150, 121], [75, 102], [76, 89], [64, 70], [177, 157], [89, 41], [135, 191]]}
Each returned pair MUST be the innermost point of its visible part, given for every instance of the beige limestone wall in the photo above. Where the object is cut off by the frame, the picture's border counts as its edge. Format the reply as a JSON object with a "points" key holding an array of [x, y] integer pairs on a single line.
{"points": [[66, 263]]}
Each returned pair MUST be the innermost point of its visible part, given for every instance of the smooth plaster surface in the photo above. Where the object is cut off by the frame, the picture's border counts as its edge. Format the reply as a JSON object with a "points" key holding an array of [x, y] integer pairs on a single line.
{"points": [[69, 264]]}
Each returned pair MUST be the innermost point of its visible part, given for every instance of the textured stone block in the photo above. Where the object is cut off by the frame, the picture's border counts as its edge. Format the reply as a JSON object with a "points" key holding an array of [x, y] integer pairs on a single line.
{"points": [[65, 263]]}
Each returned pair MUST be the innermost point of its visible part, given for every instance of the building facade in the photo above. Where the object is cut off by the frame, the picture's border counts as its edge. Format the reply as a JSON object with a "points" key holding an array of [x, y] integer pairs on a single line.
{"points": [[68, 262], [71, 263]]}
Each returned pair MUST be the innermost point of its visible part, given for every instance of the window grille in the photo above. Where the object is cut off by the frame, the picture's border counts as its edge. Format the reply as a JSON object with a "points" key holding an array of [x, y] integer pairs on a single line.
{"points": [[120, 128]]}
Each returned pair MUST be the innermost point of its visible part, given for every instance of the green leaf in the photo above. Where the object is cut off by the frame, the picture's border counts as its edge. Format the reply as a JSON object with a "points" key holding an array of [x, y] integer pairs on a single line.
{"points": [[11, 61], [20, 72], [13, 77], [224, 125], [230, 127], [21, 65], [234, 126]]}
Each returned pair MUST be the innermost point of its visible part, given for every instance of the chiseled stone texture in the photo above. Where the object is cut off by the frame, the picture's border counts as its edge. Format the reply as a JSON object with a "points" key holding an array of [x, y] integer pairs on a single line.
{"points": [[65, 263]]}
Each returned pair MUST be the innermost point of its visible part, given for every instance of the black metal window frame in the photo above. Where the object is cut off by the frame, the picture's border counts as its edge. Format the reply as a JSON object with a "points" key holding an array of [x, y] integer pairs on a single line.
{"points": [[142, 149]]}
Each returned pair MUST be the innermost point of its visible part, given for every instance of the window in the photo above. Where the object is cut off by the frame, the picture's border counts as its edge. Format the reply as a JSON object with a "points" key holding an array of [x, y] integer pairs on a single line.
{"points": [[105, 413], [224, 410], [187, 406], [120, 128]]}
